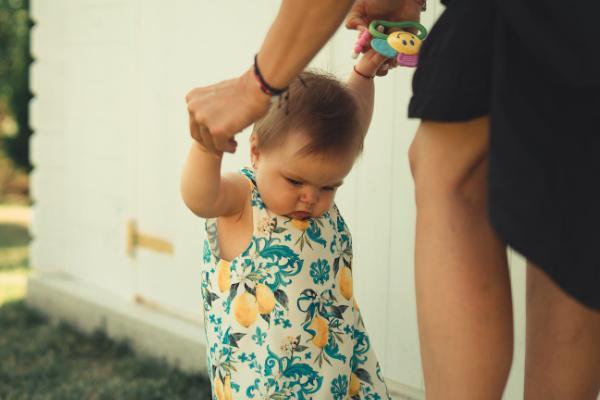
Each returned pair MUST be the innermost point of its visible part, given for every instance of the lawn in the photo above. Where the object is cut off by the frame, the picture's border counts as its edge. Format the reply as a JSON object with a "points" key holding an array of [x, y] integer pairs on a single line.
{"points": [[41, 360], [14, 254]]}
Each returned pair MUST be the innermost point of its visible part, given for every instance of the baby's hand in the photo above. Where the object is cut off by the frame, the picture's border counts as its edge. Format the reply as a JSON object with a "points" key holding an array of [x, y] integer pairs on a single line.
{"points": [[370, 62]]}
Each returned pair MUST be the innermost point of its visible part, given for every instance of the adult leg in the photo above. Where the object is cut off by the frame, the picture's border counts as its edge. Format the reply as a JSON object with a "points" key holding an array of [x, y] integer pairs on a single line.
{"points": [[462, 282], [563, 343]]}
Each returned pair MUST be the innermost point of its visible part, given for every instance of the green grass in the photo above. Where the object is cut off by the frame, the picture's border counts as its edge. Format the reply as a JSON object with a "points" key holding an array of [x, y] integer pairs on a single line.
{"points": [[12, 285], [14, 242], [14, 261], [44, 361]]}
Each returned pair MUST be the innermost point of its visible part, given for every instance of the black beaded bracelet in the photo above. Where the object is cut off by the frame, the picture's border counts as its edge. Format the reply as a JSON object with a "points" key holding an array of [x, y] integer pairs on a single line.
{"points": [[264, 86]]}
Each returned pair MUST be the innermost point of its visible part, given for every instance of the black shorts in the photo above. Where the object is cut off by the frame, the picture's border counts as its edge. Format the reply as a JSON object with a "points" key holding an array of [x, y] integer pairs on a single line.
{"points": [[536, 72]]}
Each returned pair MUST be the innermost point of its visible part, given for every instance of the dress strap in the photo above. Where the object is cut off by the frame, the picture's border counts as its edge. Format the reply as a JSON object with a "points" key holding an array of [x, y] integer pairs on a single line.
{"points": [[249, 173], [260, 216], [257, 201]]}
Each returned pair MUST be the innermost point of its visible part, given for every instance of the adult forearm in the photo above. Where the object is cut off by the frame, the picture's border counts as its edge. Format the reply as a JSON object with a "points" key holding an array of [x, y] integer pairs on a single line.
{"points": [[297, 34]]}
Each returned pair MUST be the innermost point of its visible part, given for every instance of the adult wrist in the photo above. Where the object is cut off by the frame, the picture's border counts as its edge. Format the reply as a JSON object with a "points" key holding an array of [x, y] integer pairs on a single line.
{"points": [[252, 88], [263, 84]]}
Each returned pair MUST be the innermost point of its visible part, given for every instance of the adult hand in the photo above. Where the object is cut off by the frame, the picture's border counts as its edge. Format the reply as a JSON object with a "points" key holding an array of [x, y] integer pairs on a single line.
{"points": [[364, 11], [218, 112]]}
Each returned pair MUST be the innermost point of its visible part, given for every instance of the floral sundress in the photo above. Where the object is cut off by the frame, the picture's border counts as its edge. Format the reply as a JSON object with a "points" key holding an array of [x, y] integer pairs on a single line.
{"points": [[281, 320]]}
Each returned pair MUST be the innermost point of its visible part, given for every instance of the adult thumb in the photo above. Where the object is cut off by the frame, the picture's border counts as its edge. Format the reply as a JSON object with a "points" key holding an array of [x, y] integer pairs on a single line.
{"points": [[355, 19]]}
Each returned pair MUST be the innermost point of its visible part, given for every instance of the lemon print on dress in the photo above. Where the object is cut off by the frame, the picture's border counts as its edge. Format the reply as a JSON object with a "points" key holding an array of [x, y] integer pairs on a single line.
{"points": [[321, 328], [224, 275], [223, 390], [245, 309], [300, 224], [346, 286], [354, 388], [227, 388], [265, 298]]}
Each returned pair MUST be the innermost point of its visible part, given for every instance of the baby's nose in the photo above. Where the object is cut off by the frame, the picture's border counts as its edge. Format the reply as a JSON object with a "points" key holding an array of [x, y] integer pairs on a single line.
{"points": [[309, 195]]}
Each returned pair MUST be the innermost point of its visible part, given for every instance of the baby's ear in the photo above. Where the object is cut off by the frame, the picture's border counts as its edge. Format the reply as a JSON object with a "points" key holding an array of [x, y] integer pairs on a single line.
{"points": [[254, 152]]}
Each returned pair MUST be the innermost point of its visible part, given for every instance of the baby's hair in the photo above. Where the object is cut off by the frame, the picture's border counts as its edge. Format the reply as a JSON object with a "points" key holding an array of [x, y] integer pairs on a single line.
{"points": [[320, 107]]}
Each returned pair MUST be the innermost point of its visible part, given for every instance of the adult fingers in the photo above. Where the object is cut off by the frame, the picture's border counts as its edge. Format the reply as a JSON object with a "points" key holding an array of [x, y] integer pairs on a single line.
{"points": [[194, 129], [195, 108], [207, 139], [381, 72], [224, 144], [221, 137], [388, 65], [356, 17], [201, 134]]}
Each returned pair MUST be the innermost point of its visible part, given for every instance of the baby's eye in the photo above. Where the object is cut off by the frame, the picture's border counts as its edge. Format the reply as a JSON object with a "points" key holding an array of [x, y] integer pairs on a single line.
{"points": [[329, 188], [294, 182]]}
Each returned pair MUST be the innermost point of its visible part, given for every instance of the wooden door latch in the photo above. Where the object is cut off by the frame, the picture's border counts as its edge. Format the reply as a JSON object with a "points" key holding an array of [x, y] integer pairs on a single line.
{"points": [[136, 239]]}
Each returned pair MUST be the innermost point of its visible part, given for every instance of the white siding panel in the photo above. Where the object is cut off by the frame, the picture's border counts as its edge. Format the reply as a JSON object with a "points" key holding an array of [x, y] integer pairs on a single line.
{"points": [[516, 380], [47, 148], [47, 116], [180, 47], [81, 116], [47, 108], [402, 350], [371, 231], [49, 244]]}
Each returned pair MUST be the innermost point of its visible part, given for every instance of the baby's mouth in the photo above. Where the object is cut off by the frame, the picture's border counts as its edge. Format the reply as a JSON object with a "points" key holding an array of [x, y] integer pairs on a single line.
{"points": [[300, 215]]}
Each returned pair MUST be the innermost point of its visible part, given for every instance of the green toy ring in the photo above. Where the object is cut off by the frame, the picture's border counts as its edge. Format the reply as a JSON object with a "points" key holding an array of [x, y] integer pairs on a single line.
{"points": [[387, 24]]}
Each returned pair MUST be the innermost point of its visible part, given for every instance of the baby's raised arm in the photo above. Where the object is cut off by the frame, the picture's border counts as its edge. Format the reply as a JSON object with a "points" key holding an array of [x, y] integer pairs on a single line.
{"points": [[360, 82], [204, 190]]}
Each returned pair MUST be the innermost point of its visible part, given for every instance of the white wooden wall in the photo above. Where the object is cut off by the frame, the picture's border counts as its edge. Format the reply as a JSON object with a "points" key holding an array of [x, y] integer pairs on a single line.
{"points": [[111, 135]]}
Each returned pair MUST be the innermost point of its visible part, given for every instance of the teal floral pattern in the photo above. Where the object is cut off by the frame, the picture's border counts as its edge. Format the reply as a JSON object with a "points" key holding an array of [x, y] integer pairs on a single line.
{"points": [[339, 387], [319, 271], [280, 319]]}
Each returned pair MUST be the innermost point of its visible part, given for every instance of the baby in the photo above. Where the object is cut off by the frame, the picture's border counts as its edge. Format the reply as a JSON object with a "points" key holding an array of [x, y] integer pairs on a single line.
{"points": [[280, 317]]}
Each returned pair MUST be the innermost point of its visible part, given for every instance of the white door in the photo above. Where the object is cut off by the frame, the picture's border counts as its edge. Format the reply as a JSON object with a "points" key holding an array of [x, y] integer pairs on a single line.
{"points": [[181, 45]]}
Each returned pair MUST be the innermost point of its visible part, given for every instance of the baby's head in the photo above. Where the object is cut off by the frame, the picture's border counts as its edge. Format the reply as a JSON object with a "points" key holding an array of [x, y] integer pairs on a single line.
{"points": [[303, 150]]}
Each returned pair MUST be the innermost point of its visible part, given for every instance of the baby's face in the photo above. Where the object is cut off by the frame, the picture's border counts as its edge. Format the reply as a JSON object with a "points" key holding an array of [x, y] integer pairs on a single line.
{"points": [[299, 186]]}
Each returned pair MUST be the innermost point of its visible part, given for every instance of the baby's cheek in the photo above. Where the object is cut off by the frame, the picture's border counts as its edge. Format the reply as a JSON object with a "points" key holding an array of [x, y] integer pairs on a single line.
{"points": [[326, 202], [284, 199]]}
